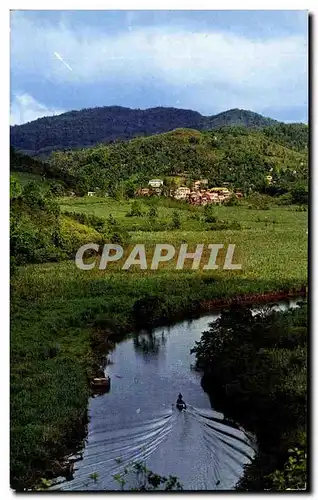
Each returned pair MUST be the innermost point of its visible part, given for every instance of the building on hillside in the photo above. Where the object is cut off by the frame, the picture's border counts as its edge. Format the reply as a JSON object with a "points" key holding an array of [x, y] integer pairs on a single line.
{"points": [[91, 193], [155, 183], [200, 183], [239, 194], [182, 193], [195, 198], [212, 197]]}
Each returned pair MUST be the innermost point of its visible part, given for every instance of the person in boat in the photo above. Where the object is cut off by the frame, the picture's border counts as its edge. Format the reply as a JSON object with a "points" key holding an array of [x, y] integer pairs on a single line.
{"points": [[180, 402]]}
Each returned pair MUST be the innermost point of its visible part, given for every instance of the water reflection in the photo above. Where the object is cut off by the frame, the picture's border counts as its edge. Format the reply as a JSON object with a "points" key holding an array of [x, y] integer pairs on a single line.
{"points": [[149, 342]]}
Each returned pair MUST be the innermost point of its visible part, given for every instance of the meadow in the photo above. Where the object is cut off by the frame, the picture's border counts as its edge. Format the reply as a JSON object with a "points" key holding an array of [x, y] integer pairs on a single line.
{"points": [[61, 314]]}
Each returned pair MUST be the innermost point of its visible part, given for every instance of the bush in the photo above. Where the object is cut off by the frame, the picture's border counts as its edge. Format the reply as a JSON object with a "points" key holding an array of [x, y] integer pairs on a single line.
{"points": [[299, 194], [135, 211], [259, 202], [153, 212], [209, 215], [98, 223], [176, 220], [149, 311], [232, 201], [220, 225]]}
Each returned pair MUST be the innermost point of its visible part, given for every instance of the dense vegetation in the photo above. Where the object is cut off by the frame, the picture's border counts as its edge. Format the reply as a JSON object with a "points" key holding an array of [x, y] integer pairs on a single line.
{"points": [[259, 365], [238, 156], [39, 233], [20, 162], [78, 129]]}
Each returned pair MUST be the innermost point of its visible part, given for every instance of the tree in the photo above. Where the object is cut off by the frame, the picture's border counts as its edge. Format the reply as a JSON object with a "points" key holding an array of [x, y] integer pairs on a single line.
{"points": [[209, 214], [57, 189], [176, 221], [300, 194], [153, 212], [135, 210], [15, 187]]}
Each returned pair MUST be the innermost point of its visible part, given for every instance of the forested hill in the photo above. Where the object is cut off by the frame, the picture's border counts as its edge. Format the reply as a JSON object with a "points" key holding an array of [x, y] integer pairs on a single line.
{"points": [[78, 129], [236, 155]]}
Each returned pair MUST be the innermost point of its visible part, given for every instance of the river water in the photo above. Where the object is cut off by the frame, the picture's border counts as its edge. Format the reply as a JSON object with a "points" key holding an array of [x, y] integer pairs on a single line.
{"points": [[137, 419]]}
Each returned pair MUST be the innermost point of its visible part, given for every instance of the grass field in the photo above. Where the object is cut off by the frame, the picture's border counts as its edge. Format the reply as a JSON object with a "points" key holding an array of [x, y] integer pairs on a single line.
{"points": [[56, 308]]}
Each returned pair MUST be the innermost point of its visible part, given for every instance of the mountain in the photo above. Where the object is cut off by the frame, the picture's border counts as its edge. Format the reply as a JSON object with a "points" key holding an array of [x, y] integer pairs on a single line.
{"points": [[78, 129]]}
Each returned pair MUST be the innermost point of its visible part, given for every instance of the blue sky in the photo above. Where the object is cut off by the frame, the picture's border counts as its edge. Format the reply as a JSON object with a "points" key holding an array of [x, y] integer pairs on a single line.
{"points": [[208, 61]]}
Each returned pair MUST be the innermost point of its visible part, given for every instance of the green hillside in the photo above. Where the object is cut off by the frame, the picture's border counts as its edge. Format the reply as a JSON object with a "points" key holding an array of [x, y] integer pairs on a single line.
{"points": [[236, 155]]}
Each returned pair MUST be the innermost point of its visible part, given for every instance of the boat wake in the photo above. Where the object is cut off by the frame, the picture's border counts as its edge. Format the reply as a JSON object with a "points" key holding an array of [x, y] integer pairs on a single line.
{"points": [[200, 447]]}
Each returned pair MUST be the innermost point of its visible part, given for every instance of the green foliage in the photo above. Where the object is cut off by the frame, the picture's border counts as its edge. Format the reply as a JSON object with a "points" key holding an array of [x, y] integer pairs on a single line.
{"points": [[94, 476], [149, 310], [243, 158], [232, 201], [299, 194], [209, 214], [176, 221], [88, 127], [23, 163], [222, 225], [294, 474], [146, 479], [292, 135], [38, 232], [153, 212], [98, 223], [136, 210], [15, 187], [259, 361], [258, 201], [57, 189]]}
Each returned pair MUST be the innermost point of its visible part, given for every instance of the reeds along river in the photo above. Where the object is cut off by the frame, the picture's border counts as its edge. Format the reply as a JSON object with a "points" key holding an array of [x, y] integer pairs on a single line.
{"points": [[137, 419]]}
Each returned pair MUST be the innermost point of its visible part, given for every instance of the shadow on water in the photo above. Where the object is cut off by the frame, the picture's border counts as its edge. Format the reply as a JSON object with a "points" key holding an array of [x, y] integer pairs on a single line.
{"points": [[138, 420]]}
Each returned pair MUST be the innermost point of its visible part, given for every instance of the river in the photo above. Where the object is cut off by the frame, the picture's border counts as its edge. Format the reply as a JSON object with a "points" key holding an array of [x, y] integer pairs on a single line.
{"points": [[137, 419]]}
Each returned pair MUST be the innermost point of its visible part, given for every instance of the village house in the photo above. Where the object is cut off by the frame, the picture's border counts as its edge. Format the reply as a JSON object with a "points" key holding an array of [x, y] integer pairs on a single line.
{"points": [[155, 183], [210, 196], [182, 193], [213, 197], [195, 198], [199, 183], [91, 193]]}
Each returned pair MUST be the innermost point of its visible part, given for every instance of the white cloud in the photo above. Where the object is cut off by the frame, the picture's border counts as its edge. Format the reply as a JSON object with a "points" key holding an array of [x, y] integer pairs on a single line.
{"points": [[25, 108], [213, 65]]}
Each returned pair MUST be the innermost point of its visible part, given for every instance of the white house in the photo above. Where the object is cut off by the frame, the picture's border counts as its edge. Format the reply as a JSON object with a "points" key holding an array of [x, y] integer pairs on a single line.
{"points": [[155, 183], [182, 193]]}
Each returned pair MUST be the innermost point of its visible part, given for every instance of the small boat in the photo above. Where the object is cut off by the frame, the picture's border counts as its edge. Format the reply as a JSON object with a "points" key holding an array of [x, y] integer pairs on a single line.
{"points": [[181, 406], [101, 383]]}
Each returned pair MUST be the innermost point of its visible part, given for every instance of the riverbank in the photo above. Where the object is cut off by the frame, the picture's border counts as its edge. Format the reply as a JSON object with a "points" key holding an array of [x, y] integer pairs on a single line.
{"points": [[255, 369]]}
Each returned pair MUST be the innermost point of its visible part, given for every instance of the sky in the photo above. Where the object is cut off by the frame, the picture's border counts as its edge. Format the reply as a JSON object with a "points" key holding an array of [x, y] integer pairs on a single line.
{"points": [[208, 61]]}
